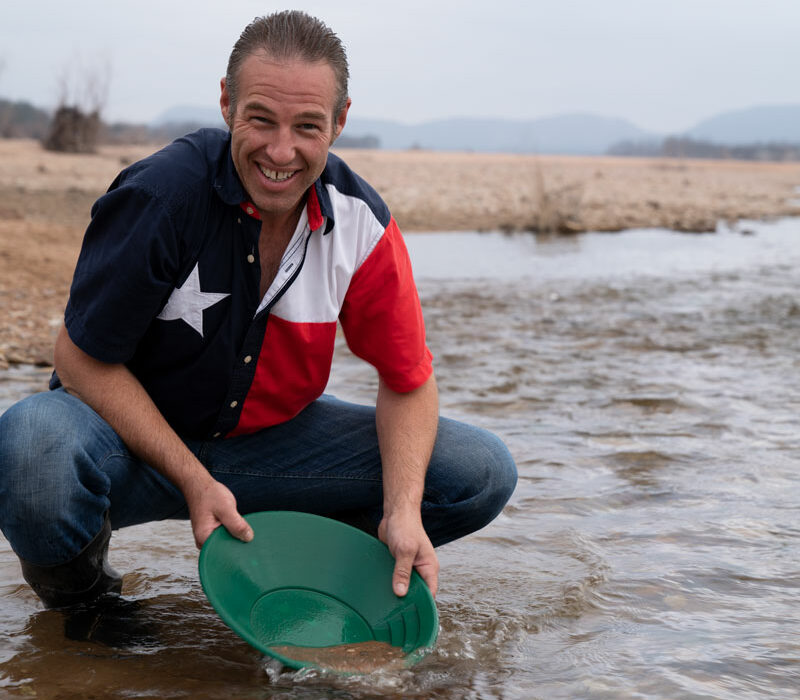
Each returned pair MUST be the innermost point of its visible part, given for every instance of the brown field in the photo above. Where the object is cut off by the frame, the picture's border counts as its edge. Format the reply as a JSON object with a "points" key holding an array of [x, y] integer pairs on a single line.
{"points": [[45, 200]]}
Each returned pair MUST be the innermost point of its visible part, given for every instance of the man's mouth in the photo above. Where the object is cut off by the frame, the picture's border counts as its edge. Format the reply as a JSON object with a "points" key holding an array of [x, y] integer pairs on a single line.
{"points": [[275, 175]]}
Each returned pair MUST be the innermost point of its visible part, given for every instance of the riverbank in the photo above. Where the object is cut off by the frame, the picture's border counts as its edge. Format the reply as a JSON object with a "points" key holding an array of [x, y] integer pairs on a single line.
{"points": [[45, 200]]}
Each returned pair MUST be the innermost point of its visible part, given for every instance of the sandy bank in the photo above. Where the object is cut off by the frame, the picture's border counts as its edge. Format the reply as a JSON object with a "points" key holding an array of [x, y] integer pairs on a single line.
{"points": [[45, 200]]}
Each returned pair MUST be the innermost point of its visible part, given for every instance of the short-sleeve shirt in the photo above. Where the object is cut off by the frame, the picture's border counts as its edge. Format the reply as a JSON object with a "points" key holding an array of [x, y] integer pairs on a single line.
{"points": [[167, 282]]}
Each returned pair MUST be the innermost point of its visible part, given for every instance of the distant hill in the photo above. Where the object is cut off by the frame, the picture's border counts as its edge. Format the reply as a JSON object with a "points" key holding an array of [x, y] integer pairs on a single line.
{"points": [[22, 120], [188, 114], [568, 133], [761, 124], [580, 134]]}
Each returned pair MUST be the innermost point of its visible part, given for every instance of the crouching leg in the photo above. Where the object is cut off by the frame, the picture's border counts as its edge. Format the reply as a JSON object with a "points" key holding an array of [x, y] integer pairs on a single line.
{"points": [[54, 497], [470, 478]]}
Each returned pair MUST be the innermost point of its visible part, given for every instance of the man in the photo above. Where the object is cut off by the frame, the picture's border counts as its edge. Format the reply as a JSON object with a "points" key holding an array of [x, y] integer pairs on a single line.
{"points": [[198, 339]]}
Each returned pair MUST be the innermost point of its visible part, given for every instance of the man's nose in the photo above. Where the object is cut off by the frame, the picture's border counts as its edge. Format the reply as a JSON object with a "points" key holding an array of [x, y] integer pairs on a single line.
{"points": [[281, 148]]}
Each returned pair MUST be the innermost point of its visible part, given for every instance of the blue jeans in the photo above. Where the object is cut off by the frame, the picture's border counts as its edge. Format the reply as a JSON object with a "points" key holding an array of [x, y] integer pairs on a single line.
{"points": [[62, 468]]}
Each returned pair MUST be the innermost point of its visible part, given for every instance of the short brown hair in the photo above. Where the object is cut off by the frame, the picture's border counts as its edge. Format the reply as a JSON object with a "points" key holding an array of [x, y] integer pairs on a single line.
{"points": [[290, 35]]}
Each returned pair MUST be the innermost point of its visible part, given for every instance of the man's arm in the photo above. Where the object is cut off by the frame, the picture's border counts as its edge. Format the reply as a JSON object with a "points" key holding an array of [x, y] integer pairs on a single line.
{"points": [[116, 394], [407, 426]]}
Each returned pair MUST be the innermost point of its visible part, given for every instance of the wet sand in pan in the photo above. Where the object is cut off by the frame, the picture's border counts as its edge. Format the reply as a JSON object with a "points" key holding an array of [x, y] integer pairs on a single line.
{"points": [[361, 657]]}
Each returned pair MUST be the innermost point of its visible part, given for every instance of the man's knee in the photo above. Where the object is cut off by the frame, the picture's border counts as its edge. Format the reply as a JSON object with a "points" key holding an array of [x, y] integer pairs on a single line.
{"points": [[40, 423], [38, 435], [477, 458], [47, 475], [491, 472], [471, 478]]}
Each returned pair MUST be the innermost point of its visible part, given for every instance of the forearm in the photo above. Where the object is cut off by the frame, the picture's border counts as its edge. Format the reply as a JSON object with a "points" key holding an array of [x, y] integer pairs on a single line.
{"points": [[118, 396], [406, 425], [115, 393]]}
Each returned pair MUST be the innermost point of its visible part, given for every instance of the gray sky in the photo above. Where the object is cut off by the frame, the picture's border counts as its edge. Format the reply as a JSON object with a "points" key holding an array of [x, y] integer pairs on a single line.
{"points": [[664, 65]]}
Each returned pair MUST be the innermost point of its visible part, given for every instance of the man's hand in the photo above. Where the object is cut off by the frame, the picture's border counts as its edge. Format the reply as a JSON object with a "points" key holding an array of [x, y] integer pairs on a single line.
{"points": [[411, 548], [211, 504]]}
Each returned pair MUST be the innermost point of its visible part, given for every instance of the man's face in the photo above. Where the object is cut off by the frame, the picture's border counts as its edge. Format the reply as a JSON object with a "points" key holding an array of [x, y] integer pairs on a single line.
{"points": [[281, 129]]}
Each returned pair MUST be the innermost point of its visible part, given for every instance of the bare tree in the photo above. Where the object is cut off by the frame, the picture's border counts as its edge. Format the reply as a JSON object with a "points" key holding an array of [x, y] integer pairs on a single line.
{"points": [[83, 93]]}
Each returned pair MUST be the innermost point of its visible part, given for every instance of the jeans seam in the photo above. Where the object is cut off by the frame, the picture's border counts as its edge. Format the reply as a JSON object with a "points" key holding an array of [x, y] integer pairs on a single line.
{"points": [[111, 454]]}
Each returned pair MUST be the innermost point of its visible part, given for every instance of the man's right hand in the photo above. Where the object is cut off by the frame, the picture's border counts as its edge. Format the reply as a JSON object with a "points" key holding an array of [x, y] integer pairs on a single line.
{"points": [[211, 504]]}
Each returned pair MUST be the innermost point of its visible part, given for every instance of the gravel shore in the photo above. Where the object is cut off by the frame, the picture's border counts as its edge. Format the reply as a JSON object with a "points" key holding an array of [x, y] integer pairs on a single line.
{"points": [[45, 200]]}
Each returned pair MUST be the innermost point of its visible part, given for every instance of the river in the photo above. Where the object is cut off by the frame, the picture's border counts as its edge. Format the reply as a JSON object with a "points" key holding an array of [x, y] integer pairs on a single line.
{"points": [[648, 385]]}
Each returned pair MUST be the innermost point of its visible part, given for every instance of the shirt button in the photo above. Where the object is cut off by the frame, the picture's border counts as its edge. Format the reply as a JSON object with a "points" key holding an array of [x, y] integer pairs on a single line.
{"points": [[234, 404], [251, 258], [238, 219], [248, 359], [216, 435]]}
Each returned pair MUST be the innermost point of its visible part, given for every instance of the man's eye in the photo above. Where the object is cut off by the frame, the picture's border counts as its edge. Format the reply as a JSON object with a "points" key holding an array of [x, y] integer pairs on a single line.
{"points": [[309, 127]]}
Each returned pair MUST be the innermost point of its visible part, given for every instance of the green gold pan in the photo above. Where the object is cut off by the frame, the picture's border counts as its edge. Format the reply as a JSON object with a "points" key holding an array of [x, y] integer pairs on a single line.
{"points": [[306, 581]]}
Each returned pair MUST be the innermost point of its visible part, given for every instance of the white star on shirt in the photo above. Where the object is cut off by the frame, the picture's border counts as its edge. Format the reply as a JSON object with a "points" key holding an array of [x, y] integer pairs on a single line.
{"points": [[187, 302]]}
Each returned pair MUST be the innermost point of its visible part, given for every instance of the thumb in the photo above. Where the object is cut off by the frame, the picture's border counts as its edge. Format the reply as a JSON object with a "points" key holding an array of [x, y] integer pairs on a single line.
{"points": [[239, 528]]}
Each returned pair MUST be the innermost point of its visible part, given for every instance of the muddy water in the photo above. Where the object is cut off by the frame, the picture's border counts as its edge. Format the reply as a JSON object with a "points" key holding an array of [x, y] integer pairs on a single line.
{"points": [[648, 384]]}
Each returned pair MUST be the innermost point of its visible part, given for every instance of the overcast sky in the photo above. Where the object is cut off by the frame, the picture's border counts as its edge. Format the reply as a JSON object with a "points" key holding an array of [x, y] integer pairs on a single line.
{"points": [[664, 65]]}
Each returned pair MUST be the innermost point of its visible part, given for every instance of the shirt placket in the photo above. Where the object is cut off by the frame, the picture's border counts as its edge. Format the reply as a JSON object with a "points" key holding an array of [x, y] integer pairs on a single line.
{"points": [[247, 361]]}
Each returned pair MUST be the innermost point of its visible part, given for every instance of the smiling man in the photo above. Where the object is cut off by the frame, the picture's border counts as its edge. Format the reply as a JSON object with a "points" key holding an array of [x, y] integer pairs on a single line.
{"points": [[198, 341], [283, 121]]}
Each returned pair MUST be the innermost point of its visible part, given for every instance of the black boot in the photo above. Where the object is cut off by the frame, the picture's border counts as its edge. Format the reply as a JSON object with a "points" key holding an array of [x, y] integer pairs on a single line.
{"points": [[112, 621], [81, 580]]}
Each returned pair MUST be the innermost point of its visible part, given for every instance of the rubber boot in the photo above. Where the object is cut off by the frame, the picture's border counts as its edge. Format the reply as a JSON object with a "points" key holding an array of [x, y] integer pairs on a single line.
{"points": [[113, 621], [81, 580]]}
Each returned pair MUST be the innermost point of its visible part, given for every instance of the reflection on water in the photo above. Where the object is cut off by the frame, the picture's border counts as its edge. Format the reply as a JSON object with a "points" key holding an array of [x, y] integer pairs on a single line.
{"points": [[444, 256], [648, 385]]}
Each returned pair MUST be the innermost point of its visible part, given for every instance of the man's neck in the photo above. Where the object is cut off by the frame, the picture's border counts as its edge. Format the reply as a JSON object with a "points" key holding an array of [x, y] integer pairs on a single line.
{"points": [[276, 232], [281, 224]]}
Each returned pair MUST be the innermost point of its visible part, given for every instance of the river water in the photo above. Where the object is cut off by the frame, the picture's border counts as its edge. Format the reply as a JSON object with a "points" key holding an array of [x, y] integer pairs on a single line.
{"points": [[648, 384]]}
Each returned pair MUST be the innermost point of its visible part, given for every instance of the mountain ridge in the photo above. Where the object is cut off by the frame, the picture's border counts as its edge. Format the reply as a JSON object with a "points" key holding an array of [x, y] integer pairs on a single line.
{"points": [[778, 123], [575, 133], [767, 131]]}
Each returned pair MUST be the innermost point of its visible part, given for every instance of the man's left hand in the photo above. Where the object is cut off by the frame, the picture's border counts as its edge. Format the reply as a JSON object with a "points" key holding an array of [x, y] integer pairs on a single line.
{"points": [[411, 548]]}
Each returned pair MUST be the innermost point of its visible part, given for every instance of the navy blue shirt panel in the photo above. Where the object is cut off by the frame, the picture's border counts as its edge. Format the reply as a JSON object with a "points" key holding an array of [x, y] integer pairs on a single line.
{"points": [[161, 217], [347, 182]]}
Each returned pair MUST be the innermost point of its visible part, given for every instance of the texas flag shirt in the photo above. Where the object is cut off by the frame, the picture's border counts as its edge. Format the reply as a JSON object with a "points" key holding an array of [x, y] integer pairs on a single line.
{"points": [[167, 282]]}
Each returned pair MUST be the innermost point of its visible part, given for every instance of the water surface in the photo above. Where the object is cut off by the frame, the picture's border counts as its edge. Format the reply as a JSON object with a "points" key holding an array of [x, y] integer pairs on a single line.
{"points": [[648, 384]]}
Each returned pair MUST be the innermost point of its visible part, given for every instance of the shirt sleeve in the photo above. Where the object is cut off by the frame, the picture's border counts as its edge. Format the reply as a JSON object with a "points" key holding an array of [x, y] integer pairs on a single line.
{"points": [[125, 272], [382, 316]]}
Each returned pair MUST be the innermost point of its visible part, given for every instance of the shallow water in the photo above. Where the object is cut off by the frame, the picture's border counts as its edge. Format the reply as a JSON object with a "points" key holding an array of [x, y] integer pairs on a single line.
{"points": [[648, 384]]}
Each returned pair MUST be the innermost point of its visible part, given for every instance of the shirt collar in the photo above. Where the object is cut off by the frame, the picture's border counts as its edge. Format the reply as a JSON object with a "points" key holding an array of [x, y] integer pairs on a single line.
{"points": [[230, 190]]}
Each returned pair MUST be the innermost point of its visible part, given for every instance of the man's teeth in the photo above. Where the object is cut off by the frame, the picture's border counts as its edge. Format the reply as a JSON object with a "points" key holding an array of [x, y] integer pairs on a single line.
{"points": [[275, 175]]}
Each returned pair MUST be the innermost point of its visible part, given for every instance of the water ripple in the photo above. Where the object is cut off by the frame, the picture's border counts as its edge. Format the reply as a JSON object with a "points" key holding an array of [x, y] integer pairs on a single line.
{"points": [[648, 386]]}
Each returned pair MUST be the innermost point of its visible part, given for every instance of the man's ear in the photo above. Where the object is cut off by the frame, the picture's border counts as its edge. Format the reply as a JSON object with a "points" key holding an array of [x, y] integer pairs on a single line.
{"points": [[341, 120], [225, 102]]}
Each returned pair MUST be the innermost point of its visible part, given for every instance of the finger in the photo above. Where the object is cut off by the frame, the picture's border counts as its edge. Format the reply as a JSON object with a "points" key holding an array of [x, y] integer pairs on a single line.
{"points": [[430, 574], [202, 532], [402, 574]]}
